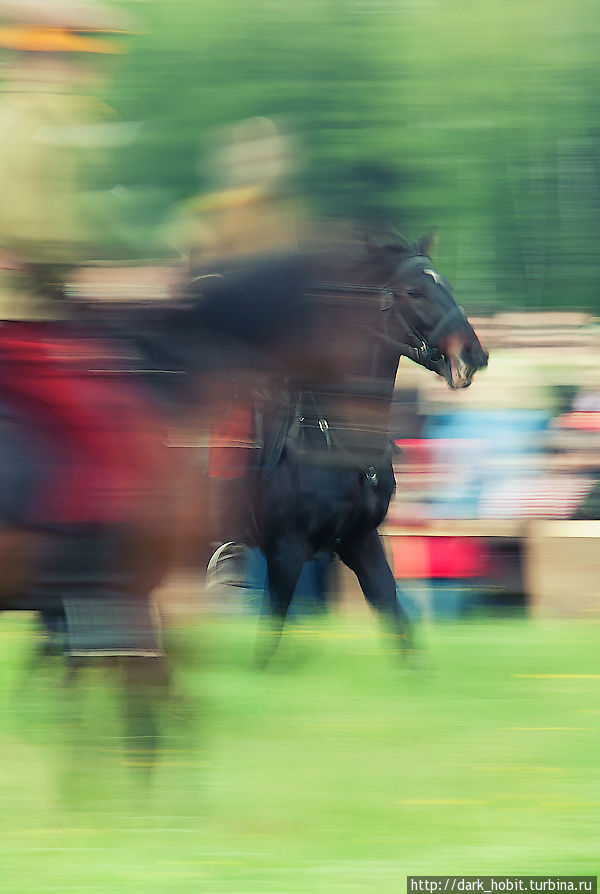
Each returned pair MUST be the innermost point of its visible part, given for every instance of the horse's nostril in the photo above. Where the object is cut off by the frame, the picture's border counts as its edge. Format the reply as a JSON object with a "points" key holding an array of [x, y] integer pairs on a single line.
{"points": [[475, 357]]}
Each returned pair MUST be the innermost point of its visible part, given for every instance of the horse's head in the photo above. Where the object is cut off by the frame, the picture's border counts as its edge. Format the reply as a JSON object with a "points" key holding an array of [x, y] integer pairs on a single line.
{"points": [[433, 329]]}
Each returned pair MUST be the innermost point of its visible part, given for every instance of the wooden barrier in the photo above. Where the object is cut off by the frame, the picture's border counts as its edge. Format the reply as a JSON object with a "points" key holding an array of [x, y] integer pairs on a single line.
{"points": [[562, 568], [395, 537]]}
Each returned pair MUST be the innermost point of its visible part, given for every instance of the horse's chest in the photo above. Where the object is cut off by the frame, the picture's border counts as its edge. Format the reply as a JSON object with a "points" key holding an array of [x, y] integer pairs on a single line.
{"points": [[333, 502]]}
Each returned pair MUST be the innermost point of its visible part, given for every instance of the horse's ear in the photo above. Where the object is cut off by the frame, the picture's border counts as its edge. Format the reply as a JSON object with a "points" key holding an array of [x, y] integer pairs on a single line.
{"points": [[426, 244], [396, 242]]}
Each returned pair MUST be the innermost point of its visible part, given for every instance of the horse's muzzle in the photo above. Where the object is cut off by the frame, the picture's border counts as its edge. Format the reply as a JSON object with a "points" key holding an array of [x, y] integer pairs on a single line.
{"points": [[459, 367]]}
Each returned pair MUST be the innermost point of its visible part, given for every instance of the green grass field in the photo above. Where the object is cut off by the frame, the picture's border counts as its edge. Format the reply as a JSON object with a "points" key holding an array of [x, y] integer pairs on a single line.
{"points": [[335, 771]]}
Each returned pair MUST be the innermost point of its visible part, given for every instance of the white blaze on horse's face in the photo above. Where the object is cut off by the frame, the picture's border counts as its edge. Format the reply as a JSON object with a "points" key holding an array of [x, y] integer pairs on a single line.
{"points": [[448, 344], [434, 275]]}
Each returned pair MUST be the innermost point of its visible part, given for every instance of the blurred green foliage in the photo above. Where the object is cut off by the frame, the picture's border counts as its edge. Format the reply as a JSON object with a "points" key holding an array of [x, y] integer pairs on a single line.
{"points": [[481, 119]]}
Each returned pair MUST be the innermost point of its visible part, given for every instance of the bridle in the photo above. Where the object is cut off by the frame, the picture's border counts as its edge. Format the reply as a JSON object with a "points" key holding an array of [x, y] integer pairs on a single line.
{"points": [[411, 343], [419, 348], [416, 346]]}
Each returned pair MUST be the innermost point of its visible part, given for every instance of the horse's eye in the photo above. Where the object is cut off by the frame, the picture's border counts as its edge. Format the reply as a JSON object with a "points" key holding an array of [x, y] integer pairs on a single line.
{"points": [[413, 293]]}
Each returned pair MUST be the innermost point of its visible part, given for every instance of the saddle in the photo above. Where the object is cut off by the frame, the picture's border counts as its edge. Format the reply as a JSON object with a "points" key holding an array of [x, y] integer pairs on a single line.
{"points": [[305, 434]]}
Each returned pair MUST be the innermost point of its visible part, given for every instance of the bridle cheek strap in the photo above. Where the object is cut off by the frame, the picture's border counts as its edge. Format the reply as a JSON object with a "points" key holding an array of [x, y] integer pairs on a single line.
{"points": [[418, 348]]}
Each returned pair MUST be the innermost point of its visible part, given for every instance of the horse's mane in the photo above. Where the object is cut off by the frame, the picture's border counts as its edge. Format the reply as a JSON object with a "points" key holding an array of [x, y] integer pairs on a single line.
{"points": [[355, 253]]}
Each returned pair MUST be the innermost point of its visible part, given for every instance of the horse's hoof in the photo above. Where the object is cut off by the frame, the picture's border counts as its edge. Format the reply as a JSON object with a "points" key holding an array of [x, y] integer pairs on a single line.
{"points": [[417, 661]]}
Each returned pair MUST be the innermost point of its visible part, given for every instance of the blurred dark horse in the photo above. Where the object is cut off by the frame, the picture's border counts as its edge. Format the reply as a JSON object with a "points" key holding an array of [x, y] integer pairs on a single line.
{"points": [[91, 583], [167, 357], [326, 475]]}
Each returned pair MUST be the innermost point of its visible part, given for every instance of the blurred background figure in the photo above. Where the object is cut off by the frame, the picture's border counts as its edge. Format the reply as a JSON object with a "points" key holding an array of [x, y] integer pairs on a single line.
{"points": [[91, 437]]}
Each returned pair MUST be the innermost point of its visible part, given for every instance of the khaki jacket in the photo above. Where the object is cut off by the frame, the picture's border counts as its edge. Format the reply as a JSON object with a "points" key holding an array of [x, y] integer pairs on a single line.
{"points": [[235, 223], [48, 160]]}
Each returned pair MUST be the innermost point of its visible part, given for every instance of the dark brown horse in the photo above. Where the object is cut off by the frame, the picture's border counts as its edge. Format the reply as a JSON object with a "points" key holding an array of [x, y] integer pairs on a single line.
{"points": [[326, 478]]}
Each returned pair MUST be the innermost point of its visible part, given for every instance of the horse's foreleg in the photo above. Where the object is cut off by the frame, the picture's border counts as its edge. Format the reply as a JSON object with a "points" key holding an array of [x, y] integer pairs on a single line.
{"points": [[365, 556], [285, 558]]}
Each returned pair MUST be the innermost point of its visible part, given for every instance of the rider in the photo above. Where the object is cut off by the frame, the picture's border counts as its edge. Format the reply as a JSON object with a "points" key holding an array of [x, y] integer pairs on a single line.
{"points": [[250, 216], [103, 431], [249, 210]]}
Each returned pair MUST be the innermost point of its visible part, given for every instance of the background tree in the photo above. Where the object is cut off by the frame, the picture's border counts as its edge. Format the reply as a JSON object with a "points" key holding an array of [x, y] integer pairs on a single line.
{"points": [[481, 119]]}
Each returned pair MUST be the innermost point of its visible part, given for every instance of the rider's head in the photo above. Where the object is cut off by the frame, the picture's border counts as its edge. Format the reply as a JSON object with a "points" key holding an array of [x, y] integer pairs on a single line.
{"points": [[249, 154]]}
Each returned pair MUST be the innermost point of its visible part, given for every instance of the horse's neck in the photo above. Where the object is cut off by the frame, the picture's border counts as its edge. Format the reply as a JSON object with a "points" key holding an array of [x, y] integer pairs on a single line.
{"points": [[357, 406], [349, 330]]}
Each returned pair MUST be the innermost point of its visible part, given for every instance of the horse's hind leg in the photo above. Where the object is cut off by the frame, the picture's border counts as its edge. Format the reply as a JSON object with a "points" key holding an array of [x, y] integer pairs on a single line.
{"points": [[365, 556], [285, 558]]}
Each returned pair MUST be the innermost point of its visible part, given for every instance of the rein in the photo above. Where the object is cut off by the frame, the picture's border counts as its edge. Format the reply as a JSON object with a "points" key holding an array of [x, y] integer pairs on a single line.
{"points": [[329, 433], [416, 349], [412, 344]]}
